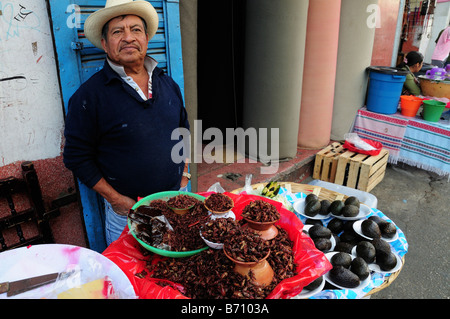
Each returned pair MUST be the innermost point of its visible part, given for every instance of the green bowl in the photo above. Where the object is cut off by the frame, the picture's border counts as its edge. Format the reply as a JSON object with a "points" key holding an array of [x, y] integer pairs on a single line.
{"points": [[165, 196]]}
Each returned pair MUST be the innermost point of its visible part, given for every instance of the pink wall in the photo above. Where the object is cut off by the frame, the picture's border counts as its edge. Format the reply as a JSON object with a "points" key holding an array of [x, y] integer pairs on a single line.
{"points": [[385, 35], [319, 73]]}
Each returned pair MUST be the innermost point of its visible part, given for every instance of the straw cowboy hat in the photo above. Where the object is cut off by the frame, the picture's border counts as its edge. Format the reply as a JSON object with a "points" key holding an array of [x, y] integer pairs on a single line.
{"points": [[115, 8]]}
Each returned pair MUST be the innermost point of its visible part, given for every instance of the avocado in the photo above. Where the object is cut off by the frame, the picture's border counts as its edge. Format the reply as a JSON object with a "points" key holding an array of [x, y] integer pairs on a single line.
{"points": [[324, 205], [370, 229], [337, 240], [366, 251], [312, 208], [341, 259], [336, 207], [271, 189], [377, 220], [322, 244], [350, 211], [348, 226], [349, 236], [352, 200], [318, 231], [386, 261], [388, 230], [336, 225], [359, 267], [311, 197], [344, 277], [381, 246], [314, 284], [310, 221], [344, 247]]}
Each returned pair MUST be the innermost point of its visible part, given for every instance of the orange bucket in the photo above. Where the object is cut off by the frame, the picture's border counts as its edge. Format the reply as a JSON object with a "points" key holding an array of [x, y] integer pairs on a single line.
{"points": [[410, 104]]}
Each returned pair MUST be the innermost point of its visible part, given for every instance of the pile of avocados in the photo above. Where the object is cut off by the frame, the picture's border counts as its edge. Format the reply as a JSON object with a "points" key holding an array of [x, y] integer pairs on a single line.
{"points": [[314, 206], [377, 227], [348, 272]]}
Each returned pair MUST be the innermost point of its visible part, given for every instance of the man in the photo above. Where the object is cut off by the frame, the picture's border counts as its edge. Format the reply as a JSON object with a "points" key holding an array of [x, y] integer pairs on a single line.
{"points": [[120, 121]]}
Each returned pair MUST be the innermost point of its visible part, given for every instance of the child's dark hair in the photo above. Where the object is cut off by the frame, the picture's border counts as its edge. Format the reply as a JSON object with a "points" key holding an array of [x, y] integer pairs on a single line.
{"points": [[411, 58]]}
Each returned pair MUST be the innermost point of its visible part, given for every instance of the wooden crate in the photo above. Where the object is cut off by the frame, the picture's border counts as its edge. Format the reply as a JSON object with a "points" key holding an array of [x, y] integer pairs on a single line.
{"points": [[337, 165], [326, 162]]}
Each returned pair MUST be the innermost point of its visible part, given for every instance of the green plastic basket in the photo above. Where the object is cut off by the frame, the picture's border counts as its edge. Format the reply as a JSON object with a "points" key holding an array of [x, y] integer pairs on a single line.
{"points": [[165, 196]]}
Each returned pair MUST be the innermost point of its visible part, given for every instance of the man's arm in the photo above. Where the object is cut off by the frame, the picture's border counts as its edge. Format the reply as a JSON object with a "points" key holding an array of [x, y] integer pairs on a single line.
{"points": [[120, 203], [184, 179]]}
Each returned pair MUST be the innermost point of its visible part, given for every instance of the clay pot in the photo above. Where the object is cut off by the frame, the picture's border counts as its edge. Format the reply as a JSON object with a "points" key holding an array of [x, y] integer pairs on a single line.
{"points": [[267, 230], [181, 211], [261, 269], [220, 213]]}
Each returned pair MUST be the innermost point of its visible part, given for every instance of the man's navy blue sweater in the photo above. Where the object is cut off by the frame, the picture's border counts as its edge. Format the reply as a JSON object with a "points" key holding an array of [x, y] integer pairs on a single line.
{"points": [[111, 132]]}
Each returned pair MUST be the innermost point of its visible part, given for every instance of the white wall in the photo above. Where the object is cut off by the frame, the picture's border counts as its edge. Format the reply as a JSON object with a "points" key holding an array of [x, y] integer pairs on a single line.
{"points": [[31, 112]]}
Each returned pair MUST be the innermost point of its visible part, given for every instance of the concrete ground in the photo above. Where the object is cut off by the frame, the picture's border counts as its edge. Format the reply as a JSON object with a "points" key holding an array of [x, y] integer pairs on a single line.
{"points": [[419, 203]]}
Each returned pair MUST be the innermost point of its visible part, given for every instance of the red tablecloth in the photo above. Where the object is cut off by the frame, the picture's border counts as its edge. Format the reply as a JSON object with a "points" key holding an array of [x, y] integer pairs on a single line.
{"points": [[311, 263]]}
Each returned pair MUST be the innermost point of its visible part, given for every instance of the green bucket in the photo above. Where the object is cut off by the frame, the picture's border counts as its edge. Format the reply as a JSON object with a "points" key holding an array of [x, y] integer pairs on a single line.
{"points": [[432, 110]]}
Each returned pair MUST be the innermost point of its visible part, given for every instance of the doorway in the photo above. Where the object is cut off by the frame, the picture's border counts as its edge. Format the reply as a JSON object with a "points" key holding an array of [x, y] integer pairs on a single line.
{"points": [[221, 33]]}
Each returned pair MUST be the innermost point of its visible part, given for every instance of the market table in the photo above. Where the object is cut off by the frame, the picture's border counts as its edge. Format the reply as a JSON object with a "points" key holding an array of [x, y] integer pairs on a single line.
{"points": [[127, 253], [292, 192], [311, 263], [410, 140]]}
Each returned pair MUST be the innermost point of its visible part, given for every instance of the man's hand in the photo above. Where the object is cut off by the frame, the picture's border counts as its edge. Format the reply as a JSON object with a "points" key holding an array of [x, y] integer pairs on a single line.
{"points": [[120, 203]]}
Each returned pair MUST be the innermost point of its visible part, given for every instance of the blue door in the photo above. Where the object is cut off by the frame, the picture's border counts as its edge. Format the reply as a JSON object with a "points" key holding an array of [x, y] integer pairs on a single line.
{"points": [[78, 59]]}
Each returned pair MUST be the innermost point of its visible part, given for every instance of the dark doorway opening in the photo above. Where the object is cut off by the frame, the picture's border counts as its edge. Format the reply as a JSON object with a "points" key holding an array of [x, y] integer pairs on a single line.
{"points": [[221, 34]]}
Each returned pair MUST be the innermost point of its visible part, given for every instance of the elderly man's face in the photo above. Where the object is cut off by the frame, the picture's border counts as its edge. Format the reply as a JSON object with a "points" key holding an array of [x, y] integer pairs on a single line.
{"points": [[126, 41]]}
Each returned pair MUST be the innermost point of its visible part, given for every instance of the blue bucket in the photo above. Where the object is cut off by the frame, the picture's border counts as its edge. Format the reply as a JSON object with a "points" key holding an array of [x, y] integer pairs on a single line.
{"points": [[385, 89]]}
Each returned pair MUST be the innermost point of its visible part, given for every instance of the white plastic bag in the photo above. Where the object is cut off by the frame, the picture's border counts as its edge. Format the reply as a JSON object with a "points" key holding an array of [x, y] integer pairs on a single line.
{"points": [[354, 139]]}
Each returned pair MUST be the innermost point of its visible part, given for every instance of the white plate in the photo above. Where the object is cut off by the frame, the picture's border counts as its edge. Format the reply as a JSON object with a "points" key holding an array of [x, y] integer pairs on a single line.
{"points": [[44, 259], [211, 244], [362, 284], [299, 207], [229, 214], [376, 268], [364, 211], [333, 241], [309, 293], [358, 230]]}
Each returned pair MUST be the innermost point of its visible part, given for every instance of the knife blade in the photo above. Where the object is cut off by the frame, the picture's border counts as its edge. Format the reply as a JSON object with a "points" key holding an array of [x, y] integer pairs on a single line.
{"points": [[19, 286]]}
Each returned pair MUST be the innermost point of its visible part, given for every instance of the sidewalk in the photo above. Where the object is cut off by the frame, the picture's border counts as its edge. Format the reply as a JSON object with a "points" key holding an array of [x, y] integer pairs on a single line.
{"points": [[231, 176]]}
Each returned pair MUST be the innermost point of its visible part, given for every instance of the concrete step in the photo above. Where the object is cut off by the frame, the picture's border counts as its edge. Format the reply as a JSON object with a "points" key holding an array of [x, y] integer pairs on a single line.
{"points": [[232, 176]]}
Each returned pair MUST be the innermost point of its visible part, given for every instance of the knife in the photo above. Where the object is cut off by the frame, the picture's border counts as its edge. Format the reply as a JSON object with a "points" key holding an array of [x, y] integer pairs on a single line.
{"points": [[17, 287]]}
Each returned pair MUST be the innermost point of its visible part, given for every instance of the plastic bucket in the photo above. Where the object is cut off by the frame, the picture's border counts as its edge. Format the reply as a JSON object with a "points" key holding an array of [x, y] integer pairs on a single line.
{"points": [[410, 104], [385, 88], [432, 110]]}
